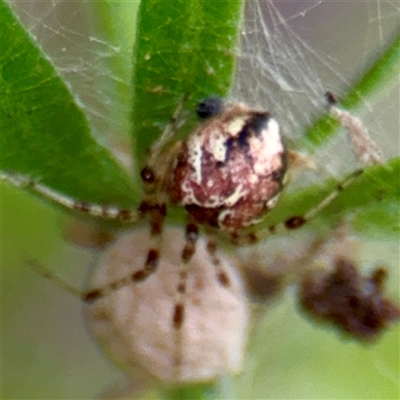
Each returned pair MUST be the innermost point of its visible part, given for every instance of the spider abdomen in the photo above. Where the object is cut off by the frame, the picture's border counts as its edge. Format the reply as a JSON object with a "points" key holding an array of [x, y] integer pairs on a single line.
{"points": [[230, 171]]}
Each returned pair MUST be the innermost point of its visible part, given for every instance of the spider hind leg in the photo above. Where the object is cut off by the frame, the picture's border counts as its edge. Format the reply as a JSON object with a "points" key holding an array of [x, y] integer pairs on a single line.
{"points": [[296, 221]]}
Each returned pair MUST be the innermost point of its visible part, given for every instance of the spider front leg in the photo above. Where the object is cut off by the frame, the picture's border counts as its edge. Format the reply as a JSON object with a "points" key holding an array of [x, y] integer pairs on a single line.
{"points": [[155, 176], [92, 209], [168, 133], [154, 179]]}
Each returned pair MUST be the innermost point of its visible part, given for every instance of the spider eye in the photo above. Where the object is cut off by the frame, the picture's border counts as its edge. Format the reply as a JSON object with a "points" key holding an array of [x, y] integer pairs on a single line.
{"points": [[209, 107]]}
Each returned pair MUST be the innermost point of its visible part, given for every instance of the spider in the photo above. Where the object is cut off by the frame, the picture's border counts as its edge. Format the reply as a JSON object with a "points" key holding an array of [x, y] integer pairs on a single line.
{"points": [[227, 175]]}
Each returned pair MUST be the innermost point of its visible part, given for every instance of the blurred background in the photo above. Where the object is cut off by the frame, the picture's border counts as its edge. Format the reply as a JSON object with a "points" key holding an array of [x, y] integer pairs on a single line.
{"points": [[46, 351]]}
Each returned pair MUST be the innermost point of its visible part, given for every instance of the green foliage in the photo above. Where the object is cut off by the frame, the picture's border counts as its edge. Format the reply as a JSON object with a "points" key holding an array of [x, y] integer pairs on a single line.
{"points": [[183, 48], [45, 133], [192, 392]]}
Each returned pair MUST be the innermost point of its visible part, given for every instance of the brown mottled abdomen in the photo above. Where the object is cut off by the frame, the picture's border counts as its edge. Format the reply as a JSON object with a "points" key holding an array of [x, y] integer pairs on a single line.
{"points": [[230, 171]]}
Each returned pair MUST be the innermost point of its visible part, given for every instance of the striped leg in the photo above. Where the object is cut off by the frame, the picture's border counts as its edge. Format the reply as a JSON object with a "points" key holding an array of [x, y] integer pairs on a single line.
{"points": [[167, 134], [212, 248], [94, 210], [178, 317], [295, 221]]}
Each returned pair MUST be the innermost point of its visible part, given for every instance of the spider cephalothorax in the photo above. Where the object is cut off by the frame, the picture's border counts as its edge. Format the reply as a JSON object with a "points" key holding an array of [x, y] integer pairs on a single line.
{"points": [[230, 170]]}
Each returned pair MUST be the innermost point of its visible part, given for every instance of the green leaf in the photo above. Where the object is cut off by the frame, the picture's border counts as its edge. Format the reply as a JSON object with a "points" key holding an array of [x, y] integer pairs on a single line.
{"points": [[183, 48], [114, 25], [45, 133]]}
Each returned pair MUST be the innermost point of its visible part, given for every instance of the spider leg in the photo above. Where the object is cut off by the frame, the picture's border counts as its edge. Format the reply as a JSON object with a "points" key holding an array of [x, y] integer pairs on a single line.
{"points": [[153, 204], [47, 274], [191, 237], [94, 210], [157, 215], [296, 221], [167, 134], [178, 317], [98, 210], [88, 296], [212, 248], [154, 178]]}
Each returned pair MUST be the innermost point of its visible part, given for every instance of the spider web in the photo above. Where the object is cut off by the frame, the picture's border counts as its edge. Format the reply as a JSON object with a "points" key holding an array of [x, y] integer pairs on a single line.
{"points": [[294, 52], [291, 54], [93, 61]]}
